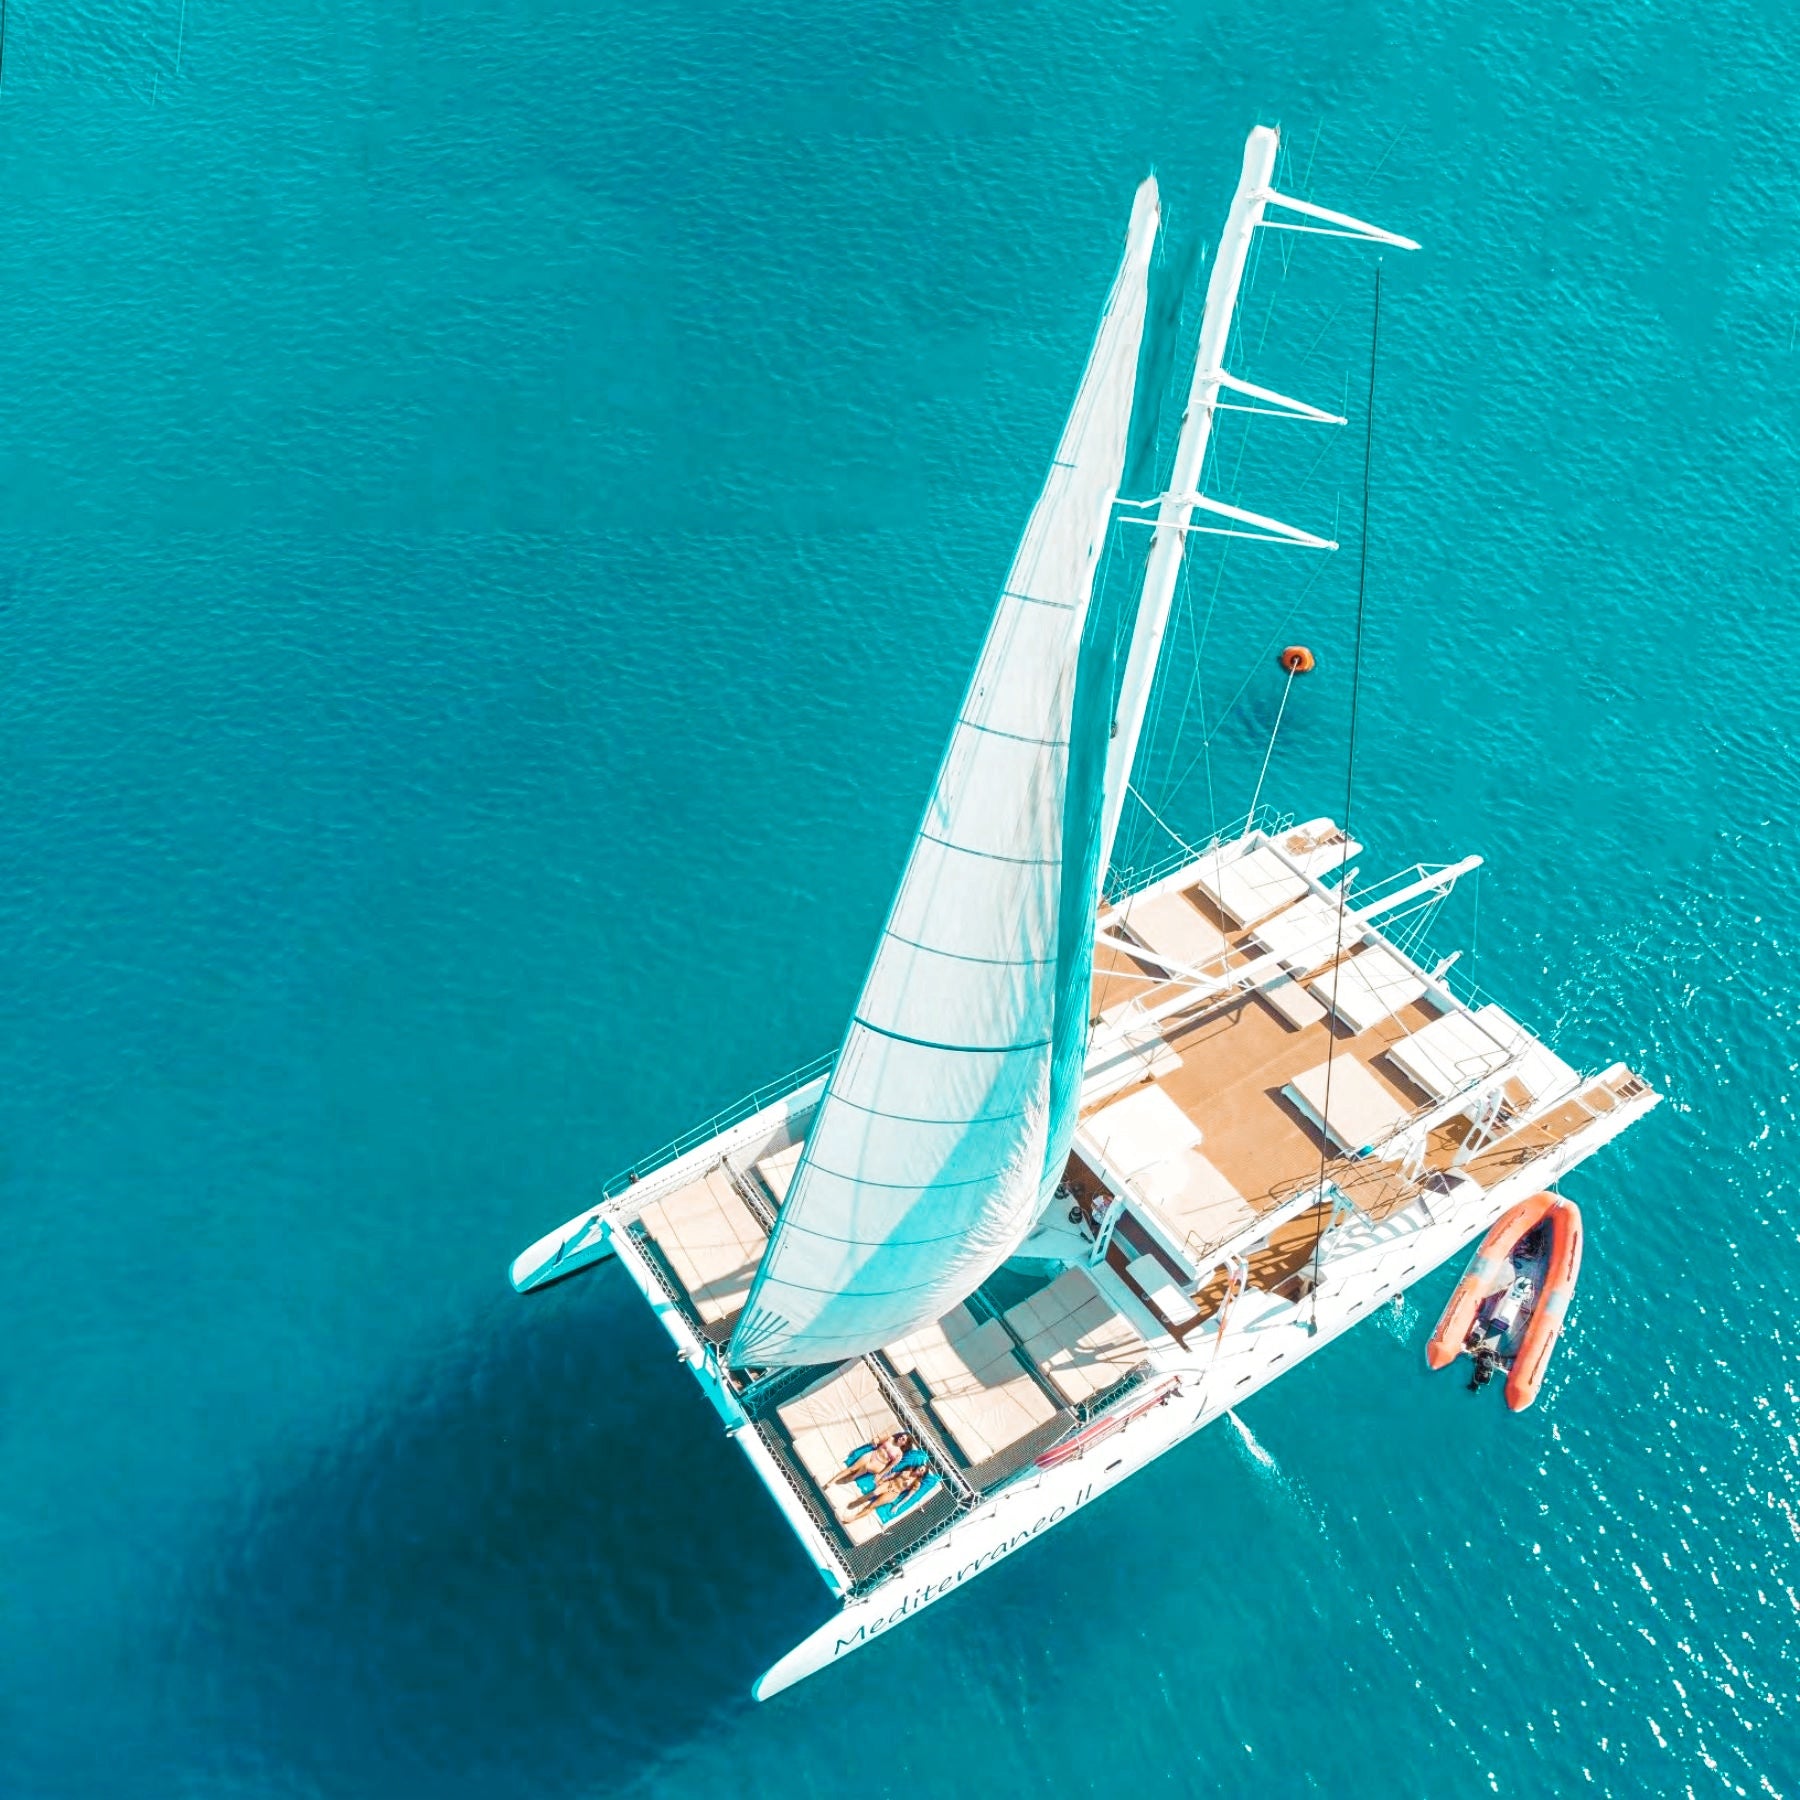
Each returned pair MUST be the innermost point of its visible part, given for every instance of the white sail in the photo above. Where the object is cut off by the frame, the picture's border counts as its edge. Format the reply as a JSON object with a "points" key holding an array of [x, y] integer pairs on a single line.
{"points": [[927, 1161]]}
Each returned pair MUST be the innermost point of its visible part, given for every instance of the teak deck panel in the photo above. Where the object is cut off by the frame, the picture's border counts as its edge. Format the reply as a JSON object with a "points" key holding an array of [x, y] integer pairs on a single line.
{"points": [[1237, 1055]]}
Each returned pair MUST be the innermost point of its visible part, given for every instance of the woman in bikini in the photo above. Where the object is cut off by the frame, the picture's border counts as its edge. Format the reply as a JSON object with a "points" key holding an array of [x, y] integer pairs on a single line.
{"points": [[887, 1490], [877, 1459]]}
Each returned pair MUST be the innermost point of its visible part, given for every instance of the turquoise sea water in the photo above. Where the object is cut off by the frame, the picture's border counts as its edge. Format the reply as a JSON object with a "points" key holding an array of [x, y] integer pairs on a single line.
{"points": [[496, 509]]}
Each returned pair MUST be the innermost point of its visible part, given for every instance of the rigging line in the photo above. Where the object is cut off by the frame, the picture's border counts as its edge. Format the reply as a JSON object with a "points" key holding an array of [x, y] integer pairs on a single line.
{"points": [[1197, 688], [1343, 891], [1389, 151], [1234, 487], [1287, 263], [1159, 692], [1180, 841], [1284, 168], [1196, 698], [1310, 348], [1185, 671], [1280, 626], [1475, 929], [1192, 698], [1262, 773], [1306, 179], [1246, 295], [1195, 694], [1097, 590], [1206, 742], [1287, 160], [1236, 491], [1274, 299], [1161, 682], [1182, 614]]}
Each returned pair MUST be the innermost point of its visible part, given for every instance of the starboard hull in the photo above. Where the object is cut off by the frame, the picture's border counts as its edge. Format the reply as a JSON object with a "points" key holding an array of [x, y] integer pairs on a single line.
{"points": [[1268, 1337]]}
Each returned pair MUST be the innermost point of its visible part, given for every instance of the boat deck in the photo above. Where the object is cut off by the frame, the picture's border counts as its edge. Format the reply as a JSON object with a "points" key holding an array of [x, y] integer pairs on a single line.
{"points": [[1214, 1154], [1246, 1069]]}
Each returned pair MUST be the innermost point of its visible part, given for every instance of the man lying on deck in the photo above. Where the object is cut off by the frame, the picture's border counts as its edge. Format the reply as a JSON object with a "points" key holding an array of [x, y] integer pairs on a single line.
{"points": [[877, 1460]]}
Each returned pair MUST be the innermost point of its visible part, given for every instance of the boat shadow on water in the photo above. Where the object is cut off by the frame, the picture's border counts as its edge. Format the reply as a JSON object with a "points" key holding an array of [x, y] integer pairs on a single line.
{"points": [[545, 1566]]}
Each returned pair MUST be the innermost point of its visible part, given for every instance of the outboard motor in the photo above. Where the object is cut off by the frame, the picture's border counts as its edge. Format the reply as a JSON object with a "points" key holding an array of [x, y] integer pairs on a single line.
{"points": [[1487, 1360]]}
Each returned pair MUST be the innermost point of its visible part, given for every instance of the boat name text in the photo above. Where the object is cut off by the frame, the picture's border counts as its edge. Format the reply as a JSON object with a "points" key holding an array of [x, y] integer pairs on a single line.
{"points": [[937, 1589]]}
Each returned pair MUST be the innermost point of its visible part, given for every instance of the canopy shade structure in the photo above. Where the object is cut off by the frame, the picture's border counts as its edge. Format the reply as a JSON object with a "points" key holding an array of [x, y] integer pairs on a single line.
{"points": [[952, 1100]]}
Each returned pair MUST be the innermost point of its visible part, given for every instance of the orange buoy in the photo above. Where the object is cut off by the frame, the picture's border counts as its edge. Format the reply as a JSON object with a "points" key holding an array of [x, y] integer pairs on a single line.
{"points": [[1298, 660]]}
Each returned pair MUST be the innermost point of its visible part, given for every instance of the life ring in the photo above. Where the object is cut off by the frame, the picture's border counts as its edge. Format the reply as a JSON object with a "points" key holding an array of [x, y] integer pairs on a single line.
{"points": [[1298, 660]]}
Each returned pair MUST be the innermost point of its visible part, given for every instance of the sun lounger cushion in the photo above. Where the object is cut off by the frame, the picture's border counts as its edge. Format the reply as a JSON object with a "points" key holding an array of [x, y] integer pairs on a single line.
{"points": [[1452, 1053], [930, 1354], [1365, 1112], [712, 1242], [1145, 1127], [1197, 1207], [1076, 1337], [1371, 986], [1175, 926], [777, 1170], [1151, 1143], [1056, 1301], [1247, 888], [827, 1424], [971, 1375], [1128, 1045], [1161, 1289], [1292, 1002], [1309, 933], [1543, 1074]]}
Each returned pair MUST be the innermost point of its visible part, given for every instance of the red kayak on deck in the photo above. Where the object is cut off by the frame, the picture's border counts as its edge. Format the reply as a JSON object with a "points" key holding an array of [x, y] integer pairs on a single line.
{"points": [[1508, 1309]]}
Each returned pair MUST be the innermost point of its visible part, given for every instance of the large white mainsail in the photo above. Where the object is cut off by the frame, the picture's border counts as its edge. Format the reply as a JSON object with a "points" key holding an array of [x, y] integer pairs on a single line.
{"points": [[928, 1158]]}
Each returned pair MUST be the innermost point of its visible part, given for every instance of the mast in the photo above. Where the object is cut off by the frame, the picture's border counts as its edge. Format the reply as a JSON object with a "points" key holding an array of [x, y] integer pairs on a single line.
{"points": [[1175, 510]]}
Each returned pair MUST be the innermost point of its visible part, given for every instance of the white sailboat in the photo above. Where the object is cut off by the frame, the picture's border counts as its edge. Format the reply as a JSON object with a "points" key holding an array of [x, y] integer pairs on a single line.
{"points": [[1082, 1175]]}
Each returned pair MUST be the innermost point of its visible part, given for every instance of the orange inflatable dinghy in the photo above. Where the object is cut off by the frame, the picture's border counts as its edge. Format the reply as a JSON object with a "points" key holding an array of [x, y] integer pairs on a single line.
{"points": [[1508, 1309]]}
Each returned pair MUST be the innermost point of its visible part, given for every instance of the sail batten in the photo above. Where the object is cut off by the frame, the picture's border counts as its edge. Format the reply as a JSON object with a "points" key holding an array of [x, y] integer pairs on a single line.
{"points": [[945, 1113]]}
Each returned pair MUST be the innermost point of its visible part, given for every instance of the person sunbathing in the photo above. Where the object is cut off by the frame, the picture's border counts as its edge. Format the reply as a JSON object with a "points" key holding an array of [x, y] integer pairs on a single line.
{"points": [[877, 1459], [888, 1491]]}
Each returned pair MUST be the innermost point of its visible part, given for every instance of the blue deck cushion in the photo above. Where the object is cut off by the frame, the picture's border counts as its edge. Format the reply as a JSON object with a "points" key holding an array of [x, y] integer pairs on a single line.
{"points": [[894, 1508]]}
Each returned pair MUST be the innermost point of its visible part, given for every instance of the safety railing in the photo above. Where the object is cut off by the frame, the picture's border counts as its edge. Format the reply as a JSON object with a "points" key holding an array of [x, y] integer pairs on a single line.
{"points": [[1378, 1186], [1125, 880], [746, 1108]]}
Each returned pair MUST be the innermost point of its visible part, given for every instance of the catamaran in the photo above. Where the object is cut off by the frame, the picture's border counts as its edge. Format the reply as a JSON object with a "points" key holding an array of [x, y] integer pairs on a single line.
{"points": [[1098, 1157]]}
